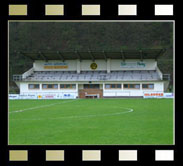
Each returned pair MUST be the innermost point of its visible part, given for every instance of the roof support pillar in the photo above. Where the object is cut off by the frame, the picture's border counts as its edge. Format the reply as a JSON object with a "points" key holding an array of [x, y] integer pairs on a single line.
{"points": [[78, 66], [108, 65], [92, 57], [61, 56], [43, 56], [162, 51], [122, 55], [105, 56], [78, 55], [19, 52], [141, 55]]}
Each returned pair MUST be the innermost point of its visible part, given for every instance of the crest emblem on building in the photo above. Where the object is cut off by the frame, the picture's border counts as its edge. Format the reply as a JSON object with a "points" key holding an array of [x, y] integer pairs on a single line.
{"points": [[93, 66]]}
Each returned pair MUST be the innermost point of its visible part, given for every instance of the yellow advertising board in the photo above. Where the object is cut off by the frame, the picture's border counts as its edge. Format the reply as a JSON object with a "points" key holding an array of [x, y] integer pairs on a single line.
{"points": [[52, 65], [55, 67]]}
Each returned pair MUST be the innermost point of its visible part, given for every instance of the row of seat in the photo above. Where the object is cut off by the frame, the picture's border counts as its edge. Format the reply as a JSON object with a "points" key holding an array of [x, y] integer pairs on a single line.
{"points": [[93, 75]]}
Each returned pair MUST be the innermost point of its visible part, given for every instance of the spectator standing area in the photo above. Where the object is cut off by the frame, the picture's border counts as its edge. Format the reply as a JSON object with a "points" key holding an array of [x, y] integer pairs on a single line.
{"points": [[102, 74]]}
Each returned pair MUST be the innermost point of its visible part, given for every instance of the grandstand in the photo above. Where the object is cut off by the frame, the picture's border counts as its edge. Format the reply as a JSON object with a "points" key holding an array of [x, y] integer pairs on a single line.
{"points": [[92, 74]]}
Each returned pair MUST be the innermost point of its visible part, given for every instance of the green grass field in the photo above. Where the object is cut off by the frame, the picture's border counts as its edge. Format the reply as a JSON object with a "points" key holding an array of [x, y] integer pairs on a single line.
{"points": [[91, 121]]}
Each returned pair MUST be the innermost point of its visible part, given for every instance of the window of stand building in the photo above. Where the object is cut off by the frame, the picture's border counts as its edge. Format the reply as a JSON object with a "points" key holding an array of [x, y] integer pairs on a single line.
{"points": [[67, 86], [91, 86], [131, 86], [147, 86], [33, 86], [50, 86], [112, 86]]}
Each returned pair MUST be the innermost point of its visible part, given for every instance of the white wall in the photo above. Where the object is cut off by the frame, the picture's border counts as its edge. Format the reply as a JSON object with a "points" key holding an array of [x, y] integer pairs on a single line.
{"points": [[131, 65], [24, 88], [70, 64], [101, 65], [159, 72], [27, 73], [158, 87], [84, 65]]}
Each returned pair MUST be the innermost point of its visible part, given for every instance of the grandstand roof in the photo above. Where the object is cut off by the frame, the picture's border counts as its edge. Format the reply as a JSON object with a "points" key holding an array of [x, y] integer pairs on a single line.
{"points": [[93, 55]]}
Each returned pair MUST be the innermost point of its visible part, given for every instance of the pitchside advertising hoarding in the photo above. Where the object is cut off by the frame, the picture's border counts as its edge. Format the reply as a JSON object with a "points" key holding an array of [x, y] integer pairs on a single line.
{"points": [[57, 96], [74, 95], [22, 96], [43, 96], [158, 95]]}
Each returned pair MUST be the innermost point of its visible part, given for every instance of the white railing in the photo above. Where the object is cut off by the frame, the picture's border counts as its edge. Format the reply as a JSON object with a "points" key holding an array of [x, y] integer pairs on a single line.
{"points": [[27, 73], [166, 77], [44, 96], [159, 73]]}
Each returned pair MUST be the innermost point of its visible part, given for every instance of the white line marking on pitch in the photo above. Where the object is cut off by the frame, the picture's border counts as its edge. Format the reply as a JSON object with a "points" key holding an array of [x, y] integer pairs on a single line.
{"points": [[48, 105], [84, 116], [87, 116]]}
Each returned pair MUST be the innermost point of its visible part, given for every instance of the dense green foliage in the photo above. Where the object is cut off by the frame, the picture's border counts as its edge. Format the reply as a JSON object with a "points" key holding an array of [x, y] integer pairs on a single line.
{"points": [[97, 121], [28, 36]]}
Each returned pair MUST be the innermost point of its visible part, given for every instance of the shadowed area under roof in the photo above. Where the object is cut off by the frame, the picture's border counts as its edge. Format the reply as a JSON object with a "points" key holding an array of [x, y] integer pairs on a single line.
{"points": [[93, 55]]}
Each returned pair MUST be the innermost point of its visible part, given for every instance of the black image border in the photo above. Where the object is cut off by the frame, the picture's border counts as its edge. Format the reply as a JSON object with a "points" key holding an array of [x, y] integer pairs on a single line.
{"points": [[73, 153]]}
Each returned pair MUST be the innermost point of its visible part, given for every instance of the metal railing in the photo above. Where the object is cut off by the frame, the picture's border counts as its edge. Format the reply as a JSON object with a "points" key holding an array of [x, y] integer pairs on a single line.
{"points": [[166, 77], [17, 78]]}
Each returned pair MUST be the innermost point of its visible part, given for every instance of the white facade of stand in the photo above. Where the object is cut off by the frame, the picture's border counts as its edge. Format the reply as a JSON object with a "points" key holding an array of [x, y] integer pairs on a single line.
{"points": [[158, 87], [84, 65], [78, 66]]}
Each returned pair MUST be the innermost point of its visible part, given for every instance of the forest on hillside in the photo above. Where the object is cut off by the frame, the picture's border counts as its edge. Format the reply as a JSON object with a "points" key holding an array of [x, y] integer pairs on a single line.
{"points": [[82, 36]]}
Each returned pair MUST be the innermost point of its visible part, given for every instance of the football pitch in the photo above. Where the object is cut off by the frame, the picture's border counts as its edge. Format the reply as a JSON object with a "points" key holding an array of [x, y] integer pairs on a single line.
{"points": [[91, 122]]}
